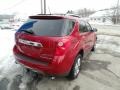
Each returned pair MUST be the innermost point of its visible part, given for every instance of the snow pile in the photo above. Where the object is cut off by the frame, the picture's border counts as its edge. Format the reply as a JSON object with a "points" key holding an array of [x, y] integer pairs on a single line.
{"points": [[6, 42], [8, 68], [102, 13]]}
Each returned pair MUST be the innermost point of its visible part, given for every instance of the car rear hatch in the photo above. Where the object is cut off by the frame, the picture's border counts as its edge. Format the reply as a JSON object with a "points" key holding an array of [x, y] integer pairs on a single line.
{"points": [[38, 37]]}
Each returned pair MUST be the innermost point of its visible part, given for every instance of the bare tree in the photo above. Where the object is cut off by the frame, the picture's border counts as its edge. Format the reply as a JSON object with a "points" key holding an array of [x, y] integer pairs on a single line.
{"points": [[85, 12], [81, 12], [70, 12], [114, 15]]}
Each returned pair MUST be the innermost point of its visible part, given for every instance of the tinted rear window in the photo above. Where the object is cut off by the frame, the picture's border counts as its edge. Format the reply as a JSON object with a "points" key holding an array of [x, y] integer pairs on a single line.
{"points": [[46, 27]]}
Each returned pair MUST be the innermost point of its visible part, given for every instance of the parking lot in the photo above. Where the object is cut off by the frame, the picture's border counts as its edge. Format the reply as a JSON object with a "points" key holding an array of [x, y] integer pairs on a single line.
{"points": [[100, 70]]}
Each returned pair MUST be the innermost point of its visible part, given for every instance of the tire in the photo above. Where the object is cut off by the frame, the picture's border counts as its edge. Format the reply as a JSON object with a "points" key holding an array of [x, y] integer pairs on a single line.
{"points": [[93, 48], [75, 68]]}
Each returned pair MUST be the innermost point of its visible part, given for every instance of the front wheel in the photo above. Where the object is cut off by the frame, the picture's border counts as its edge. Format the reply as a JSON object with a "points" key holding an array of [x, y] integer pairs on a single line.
{"points": [[75, 68], [93, 48]]}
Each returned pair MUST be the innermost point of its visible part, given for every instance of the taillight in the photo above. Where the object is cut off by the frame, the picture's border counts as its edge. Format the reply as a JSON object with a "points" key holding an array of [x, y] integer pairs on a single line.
{"points": [[16, 36], [15, 50], [62, 46]]}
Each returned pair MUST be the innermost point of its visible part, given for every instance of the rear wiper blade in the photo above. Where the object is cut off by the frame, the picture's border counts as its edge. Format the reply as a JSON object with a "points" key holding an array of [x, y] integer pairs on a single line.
{"points": [[30, 32]]}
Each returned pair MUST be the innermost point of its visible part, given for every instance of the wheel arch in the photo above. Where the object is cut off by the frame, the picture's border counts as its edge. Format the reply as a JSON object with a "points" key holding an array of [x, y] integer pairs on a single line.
{"points": [[81, 52]]}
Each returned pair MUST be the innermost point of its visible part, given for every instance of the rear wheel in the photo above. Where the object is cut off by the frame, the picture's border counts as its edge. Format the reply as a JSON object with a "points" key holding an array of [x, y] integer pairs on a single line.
{"points": [[93, 48], [75, 68]]}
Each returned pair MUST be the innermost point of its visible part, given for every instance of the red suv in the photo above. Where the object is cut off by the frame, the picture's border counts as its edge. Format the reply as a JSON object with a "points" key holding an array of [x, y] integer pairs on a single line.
{"points": [[54, 44]]}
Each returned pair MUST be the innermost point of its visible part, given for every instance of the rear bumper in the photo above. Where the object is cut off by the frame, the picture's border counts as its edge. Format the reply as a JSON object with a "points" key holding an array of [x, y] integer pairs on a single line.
{"points": [[55, 68]]}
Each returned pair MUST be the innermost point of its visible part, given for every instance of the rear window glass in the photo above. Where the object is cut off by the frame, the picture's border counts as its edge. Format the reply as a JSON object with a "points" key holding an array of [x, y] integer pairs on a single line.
{"points": [[47, 27]]}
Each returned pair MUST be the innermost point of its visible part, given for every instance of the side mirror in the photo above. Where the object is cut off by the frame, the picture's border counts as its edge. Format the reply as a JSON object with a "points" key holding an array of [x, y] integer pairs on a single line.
{"points": [[93, 30]]}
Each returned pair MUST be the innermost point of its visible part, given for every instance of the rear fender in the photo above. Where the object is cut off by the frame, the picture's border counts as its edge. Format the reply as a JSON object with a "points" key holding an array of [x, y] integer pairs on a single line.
{"points": [[72, 55]]}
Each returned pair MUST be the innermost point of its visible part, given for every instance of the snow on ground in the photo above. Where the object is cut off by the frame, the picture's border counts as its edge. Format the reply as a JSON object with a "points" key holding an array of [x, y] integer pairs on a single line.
{"points": [[7, 41], [9, 70], [98, 70]]}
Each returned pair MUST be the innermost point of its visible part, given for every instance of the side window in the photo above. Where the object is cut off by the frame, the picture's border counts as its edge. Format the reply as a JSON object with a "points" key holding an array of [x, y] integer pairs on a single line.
{"points": [[88, 26], [70, 26], [82, 27]]}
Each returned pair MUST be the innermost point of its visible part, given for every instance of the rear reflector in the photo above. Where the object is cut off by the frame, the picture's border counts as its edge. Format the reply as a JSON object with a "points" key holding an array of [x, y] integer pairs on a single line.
{"points": [[60, 44]]}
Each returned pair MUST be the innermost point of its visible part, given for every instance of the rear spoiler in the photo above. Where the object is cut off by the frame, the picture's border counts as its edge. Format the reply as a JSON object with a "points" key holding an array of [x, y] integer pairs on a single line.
{"points": [[46, 17]]}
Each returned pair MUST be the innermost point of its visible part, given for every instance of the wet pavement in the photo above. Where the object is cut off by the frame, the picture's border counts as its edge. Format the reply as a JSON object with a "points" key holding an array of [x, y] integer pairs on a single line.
{"points": [[100, 71]]}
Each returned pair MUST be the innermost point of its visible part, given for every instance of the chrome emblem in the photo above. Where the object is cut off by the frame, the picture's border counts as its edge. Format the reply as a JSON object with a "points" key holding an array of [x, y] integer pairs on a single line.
{"points": [[31, 43]]}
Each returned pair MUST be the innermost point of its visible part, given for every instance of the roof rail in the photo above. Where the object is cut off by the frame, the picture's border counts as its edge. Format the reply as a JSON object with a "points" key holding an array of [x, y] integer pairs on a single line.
{"points": [[44, 14], [53, 14], [74, 15], [59, 14]]}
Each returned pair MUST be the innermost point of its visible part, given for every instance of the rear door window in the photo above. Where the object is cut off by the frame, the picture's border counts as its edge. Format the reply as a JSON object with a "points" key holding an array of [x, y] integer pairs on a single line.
{"points": [[88, 26], [82, 27], [69, 26]]}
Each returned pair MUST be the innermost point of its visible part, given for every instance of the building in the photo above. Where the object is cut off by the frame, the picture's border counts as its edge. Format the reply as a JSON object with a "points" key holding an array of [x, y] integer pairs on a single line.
{"points": [[6, 18], [101, 17]]}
